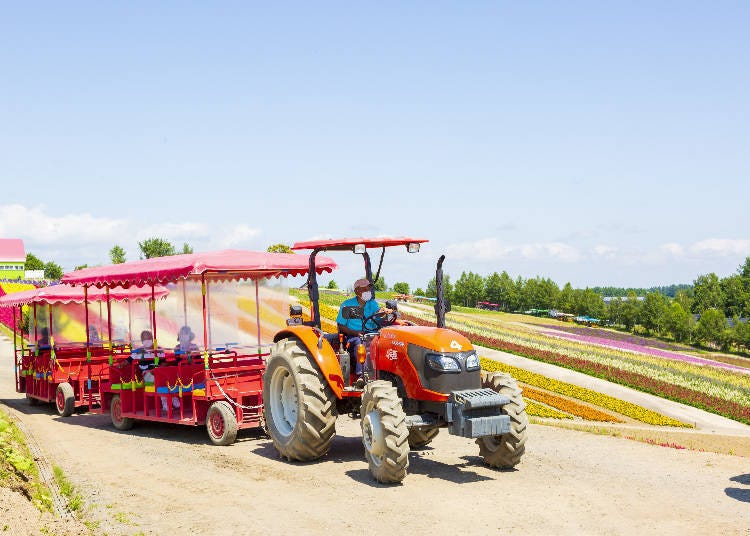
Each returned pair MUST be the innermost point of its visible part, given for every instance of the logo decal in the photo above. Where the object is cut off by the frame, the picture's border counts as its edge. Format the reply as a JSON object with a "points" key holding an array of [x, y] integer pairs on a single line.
{"points": [[455, 345], [391, 354]]}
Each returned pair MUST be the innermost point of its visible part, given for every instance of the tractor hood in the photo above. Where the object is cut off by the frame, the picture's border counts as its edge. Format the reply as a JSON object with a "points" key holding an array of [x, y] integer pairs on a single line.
{"points": [[438, 339]]}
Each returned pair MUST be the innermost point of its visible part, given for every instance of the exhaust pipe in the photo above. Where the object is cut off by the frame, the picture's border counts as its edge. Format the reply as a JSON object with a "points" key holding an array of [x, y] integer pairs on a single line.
{"points": [[441, 307]]}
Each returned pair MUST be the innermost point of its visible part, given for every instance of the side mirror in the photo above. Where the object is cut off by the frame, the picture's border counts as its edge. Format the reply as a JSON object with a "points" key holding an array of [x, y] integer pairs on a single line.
{"points": [[392, 305], [352, 312]]}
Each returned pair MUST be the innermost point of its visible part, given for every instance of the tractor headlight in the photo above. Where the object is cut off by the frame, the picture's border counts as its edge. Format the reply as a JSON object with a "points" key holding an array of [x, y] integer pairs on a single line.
{"points": [[442, 363], [472, 362]]}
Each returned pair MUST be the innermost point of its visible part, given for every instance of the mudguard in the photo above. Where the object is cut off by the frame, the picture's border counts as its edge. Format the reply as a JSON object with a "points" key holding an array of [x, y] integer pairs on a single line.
{"points": [[325, 356]]}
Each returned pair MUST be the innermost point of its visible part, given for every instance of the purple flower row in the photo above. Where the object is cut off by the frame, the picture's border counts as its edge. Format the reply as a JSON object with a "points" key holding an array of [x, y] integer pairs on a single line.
{"points": [[616, 335], [623, 345]]}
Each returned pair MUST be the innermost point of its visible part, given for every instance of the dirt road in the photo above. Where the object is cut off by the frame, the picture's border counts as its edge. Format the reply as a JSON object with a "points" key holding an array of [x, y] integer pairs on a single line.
{"points": [[169, 480]]}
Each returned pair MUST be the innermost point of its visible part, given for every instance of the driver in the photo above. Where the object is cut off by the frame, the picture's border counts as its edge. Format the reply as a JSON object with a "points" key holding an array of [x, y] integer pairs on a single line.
{"points": [[352, 328]]}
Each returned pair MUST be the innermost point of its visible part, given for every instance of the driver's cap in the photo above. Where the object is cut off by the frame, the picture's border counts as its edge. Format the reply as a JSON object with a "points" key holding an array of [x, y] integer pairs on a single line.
{"points": [[361, 283]]}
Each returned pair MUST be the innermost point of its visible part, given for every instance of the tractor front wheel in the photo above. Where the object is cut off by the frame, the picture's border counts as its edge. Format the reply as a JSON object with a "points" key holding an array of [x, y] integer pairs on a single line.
{"points": [[65, 399], [505, 451], [221, 423], [421, 438], [115, 412], [298, 404], [385, 435]]}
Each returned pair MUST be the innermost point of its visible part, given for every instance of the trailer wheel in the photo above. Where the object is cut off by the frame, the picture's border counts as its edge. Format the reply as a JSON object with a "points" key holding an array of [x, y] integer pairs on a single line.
{"points": [[115, 411], [298, 405], [65, 399], [384, 432], [221, 423], [421, 438], [505, 451]]}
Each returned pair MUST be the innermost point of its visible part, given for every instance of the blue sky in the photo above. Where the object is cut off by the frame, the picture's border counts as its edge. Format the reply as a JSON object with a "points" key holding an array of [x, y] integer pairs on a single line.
{"points": [[601, 143]]}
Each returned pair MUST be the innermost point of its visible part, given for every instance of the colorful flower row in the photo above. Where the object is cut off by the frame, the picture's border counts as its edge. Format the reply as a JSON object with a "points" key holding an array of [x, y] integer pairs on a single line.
{"points": [[540, 410], [718, 384], [581, 393], [579, 410]]}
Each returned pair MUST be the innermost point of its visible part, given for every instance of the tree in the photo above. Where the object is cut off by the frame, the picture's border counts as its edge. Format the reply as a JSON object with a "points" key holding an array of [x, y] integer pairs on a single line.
{"points": [[711, 327], [380, 284], [745, 269], [678, 321], [589, 303], [431, 291], [155, 247], [735, 294], [492, 288], [33, 262], [332, 285], [566, 300], [401, 287], [117, 254], [684, 298], [419, 292], [614, 311], [653, 312], [279, 248], [186, 248], [468, 289], [52, 270], [81, 267], [630, 309], [707, 293]]}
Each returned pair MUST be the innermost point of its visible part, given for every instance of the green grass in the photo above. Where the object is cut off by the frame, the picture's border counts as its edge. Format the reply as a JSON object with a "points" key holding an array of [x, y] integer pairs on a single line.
{"points": [[67, 490], [17, 468]]}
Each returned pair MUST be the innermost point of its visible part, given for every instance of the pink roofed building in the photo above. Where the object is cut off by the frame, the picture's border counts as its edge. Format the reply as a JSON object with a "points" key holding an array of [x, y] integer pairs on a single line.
{"points": [[12, 258]]}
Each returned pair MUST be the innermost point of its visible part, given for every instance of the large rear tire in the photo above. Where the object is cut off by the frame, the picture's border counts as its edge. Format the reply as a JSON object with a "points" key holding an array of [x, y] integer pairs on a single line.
{"points": [[385, 435], [505, 451], [299, 406], [65, 399], [421, 438], [115, 411], [221, 423]]}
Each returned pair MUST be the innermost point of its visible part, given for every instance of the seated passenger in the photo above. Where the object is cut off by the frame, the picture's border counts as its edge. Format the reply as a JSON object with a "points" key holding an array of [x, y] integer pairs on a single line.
{"points": [[185, 345], [43, 342], [144, 355], [352, 328]]}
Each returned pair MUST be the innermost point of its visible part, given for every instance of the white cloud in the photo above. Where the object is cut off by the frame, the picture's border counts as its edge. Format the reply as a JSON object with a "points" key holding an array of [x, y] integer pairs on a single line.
{"points": [[36, 227], [608, 252], [722, 246], [175, 231], [237, 236], [488, 249], [673, 249]]}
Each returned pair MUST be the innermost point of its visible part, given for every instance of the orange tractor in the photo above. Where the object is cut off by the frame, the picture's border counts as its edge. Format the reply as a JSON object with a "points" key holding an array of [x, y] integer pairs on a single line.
{"points": [[417, 380]]}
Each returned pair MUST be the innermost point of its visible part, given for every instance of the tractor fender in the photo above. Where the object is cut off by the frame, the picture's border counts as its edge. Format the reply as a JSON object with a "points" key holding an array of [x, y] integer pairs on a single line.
{"points": [[325, 357]]}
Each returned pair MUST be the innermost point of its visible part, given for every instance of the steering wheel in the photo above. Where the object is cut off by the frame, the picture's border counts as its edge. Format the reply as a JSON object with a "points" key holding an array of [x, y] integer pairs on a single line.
{"points": [[380, 318]]}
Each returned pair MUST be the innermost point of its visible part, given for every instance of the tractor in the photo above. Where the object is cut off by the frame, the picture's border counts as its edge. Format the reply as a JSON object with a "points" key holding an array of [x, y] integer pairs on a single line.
{"points": [[417, 380]]}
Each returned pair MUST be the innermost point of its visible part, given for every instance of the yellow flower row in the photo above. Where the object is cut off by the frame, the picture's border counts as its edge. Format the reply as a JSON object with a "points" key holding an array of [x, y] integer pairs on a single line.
{"points": [[581, 393], [579, 410], [539, 410]]}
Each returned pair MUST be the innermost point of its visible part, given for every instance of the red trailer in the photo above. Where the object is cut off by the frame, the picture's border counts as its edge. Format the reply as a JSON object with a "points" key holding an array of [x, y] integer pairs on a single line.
{"points": [[218, 381], [51, 367]]}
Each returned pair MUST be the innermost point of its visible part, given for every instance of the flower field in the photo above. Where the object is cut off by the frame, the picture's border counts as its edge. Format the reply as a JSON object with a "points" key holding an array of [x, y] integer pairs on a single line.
{"points": [[713, 388]]}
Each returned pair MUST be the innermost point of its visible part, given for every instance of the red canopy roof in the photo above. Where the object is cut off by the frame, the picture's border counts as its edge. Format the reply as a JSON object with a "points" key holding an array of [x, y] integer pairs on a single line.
{"points": [[68, 294], [224, 265], [343, 244]]}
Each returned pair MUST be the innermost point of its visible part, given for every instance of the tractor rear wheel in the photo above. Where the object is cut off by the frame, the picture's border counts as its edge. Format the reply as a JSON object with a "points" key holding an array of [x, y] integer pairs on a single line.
{"points": [[384, 432], [65, 399], [115, 412], [299, 406], [505, 451], [221, 423], [421, 438]]}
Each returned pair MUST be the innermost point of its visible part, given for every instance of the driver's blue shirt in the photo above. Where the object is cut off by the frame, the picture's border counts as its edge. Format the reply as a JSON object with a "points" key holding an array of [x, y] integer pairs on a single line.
{"points": [[371, 307]]}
